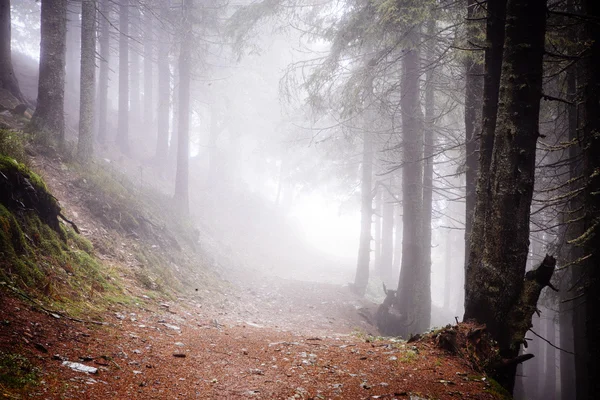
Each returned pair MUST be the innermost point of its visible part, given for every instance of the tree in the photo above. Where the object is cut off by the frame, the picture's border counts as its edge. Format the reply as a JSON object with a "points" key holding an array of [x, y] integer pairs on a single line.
{"points": [[494, 34], [148, 68], [183, 152], [414, 298], [164, 92], [104, 42], [361, 278], [134, 68], [49, 118], [123, 122], [590, 238], [8, 79], [473, 98], [498, 295], [87, 90]]}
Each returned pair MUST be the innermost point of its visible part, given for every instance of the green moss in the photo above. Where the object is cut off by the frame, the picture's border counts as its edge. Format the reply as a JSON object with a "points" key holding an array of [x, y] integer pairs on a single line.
{"points": [[12, 144], [8, 163], [495, 389], [16, 371]]}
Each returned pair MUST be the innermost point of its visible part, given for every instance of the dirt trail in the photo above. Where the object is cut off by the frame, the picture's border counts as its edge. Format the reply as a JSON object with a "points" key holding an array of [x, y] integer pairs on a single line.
{"points": [[182, 350], [256, 337]]}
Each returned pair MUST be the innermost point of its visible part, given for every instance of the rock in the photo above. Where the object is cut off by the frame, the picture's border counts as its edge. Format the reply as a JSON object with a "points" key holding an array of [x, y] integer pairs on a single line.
{"points": [[41, 347], [80, 367], [179, 355], [173, 327]]}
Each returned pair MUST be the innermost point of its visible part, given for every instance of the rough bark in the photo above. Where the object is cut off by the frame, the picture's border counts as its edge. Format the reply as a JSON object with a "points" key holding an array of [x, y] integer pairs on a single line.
{"points": [[49, 115], [591, 169], [496, 15], [498, 296], [473, 99], [123, 121], [87, 89], [361, 278], [104, 44], [181, 195], [164, 94], [413, 295], [8, 80]]}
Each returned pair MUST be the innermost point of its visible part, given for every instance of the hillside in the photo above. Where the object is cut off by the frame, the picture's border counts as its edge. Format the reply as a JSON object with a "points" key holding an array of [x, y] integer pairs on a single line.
{"points": [[153, 306]]}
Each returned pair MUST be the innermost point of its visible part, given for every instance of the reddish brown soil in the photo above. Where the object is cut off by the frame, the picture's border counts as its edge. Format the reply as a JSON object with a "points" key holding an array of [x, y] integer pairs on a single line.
{"points": [[136, 352], [256, 337]]}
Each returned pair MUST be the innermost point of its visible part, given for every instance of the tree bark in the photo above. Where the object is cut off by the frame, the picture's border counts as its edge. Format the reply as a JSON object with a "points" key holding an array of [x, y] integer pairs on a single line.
{"points": [[496, 14], [73, 60], [104, 42], [183, 152], [123, 122], [498, 295], [135, 108], [387, 236], [428, 156], [148, 69], [473, 99], [378, 216], [49, 115], [87, 89], [8, 80], [361, 278], [164, 93], [413, 295], [590, 238]]}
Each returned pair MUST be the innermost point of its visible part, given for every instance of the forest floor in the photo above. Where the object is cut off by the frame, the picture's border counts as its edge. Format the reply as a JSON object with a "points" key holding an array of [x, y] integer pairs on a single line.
{"points": [[254, 337]]}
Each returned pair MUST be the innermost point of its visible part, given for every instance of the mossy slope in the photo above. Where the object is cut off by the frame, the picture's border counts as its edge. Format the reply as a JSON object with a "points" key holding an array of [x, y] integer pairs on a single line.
{"points": [[37, 253]]}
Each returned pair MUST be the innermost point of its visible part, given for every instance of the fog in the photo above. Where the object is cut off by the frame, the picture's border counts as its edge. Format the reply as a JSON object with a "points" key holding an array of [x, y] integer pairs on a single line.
{"points": [[285, 111]]}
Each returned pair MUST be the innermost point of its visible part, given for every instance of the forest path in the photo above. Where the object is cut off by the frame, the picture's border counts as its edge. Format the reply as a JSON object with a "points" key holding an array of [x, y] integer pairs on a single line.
{"points": [[183, 350]]}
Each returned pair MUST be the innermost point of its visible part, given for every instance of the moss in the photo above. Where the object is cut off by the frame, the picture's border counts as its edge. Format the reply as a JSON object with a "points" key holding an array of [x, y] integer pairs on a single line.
{"points": [[495, 389], [16, 371], [12, 144]]}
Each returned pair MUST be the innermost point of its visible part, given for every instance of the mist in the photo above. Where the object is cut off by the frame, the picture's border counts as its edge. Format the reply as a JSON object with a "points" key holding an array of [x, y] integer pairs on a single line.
{"points": [[345, 144]]}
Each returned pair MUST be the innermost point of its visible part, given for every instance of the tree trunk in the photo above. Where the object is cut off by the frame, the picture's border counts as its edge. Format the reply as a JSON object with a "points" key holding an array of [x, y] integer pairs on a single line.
{"points": [[73, 60], [378, 216], [135, 109], [428, 156], [87, 87], [591, 169], [496, 14], [104, 42], [550, 357], [387, 236], [148, 69], [49, 115], [498, 295], [473, 99], [413, 297], [123, 123], [8, 80], [183, 152], [398, 228], [568, 387], [361, 278], [164, 93]]}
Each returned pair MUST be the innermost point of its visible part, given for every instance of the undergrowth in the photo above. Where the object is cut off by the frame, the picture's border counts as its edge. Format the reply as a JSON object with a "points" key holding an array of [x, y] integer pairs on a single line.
{"points": [[17, 372]]}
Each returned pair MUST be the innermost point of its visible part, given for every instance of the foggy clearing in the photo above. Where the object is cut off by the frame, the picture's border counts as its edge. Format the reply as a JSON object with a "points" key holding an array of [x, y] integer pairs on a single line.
{"points": [[284, 199]]}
